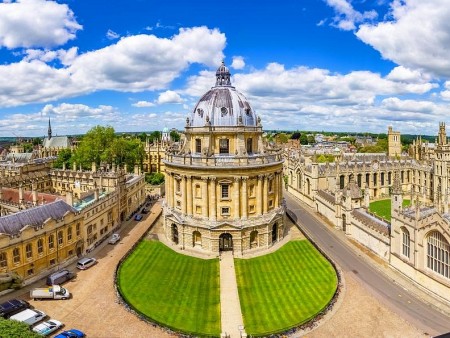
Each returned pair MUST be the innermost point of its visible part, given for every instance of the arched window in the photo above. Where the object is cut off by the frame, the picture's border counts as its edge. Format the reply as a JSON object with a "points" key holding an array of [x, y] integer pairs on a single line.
{"points": [[60, 238], [16, 255], [438, 254], [254, 239], [69, 234], [29, 250], [3, 261], [40, 246], [405, 242], [51, 242]]}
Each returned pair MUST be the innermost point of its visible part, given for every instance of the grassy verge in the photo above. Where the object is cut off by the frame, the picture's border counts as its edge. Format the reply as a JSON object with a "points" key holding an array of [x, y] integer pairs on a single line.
{"points": [[284, 289], [177, 291], [382, 208]]}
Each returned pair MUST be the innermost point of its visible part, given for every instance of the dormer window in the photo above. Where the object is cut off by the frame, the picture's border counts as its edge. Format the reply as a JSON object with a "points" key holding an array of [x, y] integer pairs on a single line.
{"points": [[224, 146], [198, 145]]}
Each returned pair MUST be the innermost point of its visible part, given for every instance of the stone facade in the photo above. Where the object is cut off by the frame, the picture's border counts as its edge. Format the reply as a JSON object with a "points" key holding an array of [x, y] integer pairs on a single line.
{"points": [[224, 185], [416, 241]]}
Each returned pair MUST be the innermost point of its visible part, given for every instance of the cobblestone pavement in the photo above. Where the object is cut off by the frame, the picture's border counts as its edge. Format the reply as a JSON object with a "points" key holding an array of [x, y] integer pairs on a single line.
{"points": [[94, 308]]}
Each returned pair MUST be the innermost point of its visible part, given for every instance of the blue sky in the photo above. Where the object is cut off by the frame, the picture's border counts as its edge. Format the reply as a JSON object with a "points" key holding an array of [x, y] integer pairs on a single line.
{"points": [[137, 65]]}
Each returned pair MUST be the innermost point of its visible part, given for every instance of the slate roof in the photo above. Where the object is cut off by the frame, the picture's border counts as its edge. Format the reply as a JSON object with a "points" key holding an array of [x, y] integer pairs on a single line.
{"points": [[56, 142], [19, 157], [12, 195], [13, 224]]}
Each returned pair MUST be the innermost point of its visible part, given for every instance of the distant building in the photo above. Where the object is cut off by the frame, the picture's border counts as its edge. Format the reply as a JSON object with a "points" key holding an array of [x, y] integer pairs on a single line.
{"points": [[394, 143], [52, 145]]}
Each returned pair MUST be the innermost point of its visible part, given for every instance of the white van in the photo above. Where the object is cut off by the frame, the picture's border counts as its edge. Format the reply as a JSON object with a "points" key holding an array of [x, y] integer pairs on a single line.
{"points": [[29, 316]]}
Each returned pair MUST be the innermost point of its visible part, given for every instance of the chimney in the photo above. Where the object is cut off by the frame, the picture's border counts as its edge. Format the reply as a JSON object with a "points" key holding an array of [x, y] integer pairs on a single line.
{"points": [[34, 193], [69, 198], [94, 167], [136, 169], [64, 165], [113, 168], [20, 194], [125, 167], [74, 166], [96, 194]]}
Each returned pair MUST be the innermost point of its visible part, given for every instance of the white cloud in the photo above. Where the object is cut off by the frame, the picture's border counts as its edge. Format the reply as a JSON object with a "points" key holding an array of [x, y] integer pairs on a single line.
{"points": [[36, 23], [169, 96], [133, 64], [416, 35], [74, 112], [238, 62], [142, 104], [110, 34], [346, 16]]}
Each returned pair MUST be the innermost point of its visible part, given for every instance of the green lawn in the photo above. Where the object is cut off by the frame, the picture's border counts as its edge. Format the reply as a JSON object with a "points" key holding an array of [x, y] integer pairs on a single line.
{"points": [[285, 288], [382, 208], [177, 291]]}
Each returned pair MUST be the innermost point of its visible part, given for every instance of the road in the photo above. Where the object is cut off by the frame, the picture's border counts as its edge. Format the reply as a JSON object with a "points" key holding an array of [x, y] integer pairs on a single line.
{"points": [[402, 301]]}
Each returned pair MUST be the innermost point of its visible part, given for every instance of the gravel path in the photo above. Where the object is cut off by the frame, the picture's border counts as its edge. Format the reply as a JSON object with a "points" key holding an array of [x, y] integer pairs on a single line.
{"points": [[94, 308]]}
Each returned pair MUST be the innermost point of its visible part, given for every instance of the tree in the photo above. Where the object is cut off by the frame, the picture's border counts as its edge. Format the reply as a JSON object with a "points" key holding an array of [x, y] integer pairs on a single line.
{"points": [[311, 139], [93, 146], [27, 147], [64, 157], [37, 141], [154, 178], [282, 138], [174, 136], [16, 329], [154, 136], [303, 139]]}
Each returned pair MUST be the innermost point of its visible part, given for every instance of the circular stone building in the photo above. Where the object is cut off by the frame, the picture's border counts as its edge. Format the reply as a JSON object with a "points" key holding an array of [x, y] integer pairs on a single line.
{"points": [[224, 184]]}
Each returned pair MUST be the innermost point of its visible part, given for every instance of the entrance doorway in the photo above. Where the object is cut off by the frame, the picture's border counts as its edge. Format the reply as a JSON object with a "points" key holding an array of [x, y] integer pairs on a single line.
{"points": [[174, 233], [225, 242], [274, 232]]}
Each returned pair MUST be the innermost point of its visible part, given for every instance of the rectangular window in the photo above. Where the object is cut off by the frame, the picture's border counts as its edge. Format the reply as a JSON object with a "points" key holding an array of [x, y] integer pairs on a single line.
{"points": [[60, 238], [178, 185], [249, 146], [225, 191], [225, 211], [51, 242], [40, 245], [251, 208], [3, 261], [198, 145], [16, 256], [78, 230], [198, 210], [69, 234], [271, 185], [30, 272], [224, 146], [52, 261]]}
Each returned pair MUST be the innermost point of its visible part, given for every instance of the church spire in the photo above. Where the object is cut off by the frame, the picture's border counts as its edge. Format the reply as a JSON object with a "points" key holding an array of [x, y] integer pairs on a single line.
{"points": [[49, 129]]}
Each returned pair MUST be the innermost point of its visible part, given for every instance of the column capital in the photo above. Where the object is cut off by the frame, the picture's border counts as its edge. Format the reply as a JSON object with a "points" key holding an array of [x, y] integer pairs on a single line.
{"points": [[213, 178], [244, 178], [236, 179], [205, 178]]}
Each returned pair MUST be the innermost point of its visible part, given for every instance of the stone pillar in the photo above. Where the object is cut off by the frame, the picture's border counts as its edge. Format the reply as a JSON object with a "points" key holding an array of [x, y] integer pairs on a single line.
{"points": [[168, 189], [136, 169], [34, 193], [64, 166], [74, 166], [189, 195], [96, 194], [205, 207], [236, 197], [21, 194], [183, 195], [94, 167], [259, 199], [213, 212], [69, 198], [276, 183], [265, 194], [244, 198]]}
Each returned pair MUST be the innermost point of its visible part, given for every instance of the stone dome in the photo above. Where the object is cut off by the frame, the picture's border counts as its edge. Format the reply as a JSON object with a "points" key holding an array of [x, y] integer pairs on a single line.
{"points": [[223, 105]]}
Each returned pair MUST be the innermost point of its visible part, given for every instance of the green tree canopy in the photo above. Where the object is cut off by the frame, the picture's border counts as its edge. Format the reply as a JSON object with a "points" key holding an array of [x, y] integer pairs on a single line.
{"points": [[64, 157], [282, 138], [15, 329], [154, 178], [174, 136]]}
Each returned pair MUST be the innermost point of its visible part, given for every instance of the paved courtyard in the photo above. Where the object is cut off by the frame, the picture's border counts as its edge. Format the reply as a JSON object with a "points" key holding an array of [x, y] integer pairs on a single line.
{"points": [[94, 308]]}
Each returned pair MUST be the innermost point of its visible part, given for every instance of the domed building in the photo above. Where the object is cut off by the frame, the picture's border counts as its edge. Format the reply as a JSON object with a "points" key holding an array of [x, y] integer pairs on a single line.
{"points": [[224, 184]]}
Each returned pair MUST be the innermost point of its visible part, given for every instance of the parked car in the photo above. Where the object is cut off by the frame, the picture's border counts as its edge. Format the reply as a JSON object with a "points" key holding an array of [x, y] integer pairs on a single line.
{"points": [[29, 316], [145, 211], [48, 327], [59, 277], [52, 292], [114, 239], [72, 333], [85, 263], [13, 306], [138, 217]]}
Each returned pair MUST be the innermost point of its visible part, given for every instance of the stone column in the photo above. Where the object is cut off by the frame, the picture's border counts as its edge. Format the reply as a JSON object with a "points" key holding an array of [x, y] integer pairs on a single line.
{"points": [[205, 197], [184, 194], [168, 189], [213, 212], [21, 200], [265, 194], [34, 193], [276, 183], [236, 197], [189, 195], [244, 198], [172, 190], [259, 199]]}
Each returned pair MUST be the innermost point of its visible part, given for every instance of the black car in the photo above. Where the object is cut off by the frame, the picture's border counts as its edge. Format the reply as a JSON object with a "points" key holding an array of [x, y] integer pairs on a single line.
{"points": [[145, 210], [13, 306]]}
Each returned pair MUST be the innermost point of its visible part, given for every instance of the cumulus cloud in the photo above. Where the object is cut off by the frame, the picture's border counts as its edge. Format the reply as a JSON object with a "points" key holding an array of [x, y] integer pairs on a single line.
{"points": [[75, 112], [36, 23], [132, 64], [169, 97], [142, 104], [346, 16], [238, 62], [415, 34]]}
